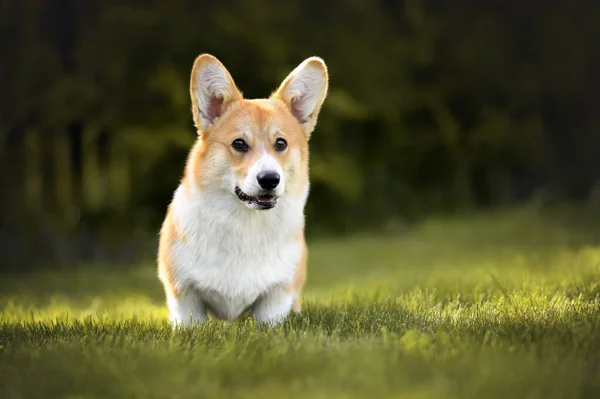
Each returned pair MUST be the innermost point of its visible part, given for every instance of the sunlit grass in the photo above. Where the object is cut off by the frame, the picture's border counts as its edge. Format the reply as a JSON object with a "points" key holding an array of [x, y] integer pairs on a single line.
{"points": [[496, 306]]}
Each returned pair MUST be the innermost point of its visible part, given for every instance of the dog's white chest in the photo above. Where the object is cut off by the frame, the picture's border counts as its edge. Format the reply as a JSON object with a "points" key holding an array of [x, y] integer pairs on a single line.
{"points": [[231, 280], [233, 258]]}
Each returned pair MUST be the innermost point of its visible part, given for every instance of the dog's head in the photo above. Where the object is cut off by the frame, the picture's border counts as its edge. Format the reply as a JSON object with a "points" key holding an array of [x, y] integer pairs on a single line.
{"points": [[255, 150]]}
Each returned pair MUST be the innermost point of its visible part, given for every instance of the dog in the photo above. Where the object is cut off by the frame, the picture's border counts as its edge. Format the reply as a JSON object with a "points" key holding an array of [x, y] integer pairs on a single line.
{"points": [[232, 240]]}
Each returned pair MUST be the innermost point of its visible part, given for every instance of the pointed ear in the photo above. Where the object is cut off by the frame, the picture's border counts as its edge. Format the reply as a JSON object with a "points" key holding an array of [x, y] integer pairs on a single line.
{"points": [[212, 90], [304, 91]]}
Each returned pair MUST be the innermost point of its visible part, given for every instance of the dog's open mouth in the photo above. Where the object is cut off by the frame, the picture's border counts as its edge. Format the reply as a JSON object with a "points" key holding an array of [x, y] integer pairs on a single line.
{"points": [[261, 202]]}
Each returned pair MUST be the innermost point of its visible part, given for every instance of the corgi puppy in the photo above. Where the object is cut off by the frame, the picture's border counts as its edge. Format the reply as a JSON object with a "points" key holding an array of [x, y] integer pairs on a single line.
{"points": [[233, 236]]}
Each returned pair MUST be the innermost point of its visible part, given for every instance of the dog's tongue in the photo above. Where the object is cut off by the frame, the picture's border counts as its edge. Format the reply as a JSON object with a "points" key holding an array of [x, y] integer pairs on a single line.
{"points": [[265, 198]]}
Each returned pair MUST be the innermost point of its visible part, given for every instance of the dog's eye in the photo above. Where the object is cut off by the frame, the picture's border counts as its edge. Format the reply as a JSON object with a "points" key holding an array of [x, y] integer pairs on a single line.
{"points": [[280, 144], [240, 145]]}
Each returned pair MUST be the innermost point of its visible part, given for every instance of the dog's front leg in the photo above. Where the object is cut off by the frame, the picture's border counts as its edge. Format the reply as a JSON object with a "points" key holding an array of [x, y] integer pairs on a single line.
{"points": [[186, 309], [274, 306]]}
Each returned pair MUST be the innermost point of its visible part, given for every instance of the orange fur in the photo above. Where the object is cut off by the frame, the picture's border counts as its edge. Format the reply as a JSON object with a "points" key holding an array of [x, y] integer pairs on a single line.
{"points": [[170, 234], [261, 121], [299, 277]]}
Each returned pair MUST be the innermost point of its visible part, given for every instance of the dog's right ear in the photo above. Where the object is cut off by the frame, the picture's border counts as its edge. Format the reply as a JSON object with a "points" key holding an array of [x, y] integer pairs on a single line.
{"points": [[212, 90]]}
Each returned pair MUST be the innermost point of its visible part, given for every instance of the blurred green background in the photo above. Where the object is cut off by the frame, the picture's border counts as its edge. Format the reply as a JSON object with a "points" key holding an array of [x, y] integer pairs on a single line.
{"points": [[434, 107]]}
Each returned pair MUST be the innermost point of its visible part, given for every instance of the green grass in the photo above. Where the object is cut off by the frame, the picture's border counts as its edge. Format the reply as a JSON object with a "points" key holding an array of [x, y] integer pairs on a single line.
{"points": [[503, 305]]}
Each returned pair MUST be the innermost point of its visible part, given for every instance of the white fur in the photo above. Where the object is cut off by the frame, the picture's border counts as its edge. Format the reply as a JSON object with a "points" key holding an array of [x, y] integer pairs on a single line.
{"points": [[266, 163], [273, 306], [234, 258]]}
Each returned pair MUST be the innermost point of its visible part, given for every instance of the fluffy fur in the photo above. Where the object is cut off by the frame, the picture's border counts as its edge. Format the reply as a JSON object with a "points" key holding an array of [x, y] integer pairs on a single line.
{"points": [[227, 245]]}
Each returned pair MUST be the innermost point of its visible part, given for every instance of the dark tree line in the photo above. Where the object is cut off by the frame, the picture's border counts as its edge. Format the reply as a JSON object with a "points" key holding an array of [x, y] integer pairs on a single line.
{"points": [[434, 106]]}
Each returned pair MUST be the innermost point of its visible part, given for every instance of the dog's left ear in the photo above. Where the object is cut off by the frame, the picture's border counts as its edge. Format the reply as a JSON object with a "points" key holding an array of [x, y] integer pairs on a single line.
{"points": [[304, 91]]}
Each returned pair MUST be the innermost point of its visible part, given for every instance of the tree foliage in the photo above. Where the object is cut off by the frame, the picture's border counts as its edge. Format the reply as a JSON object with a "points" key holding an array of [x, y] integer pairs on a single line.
{"points": [[433, 105]]}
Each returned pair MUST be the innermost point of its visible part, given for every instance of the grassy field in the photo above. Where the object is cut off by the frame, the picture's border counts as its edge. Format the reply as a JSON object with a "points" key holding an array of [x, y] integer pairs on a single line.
{"points": [[502, 305]]}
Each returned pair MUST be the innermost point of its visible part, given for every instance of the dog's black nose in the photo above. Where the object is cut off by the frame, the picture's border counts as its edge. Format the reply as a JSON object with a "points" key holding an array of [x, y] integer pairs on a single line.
{"points": [[268, 180]]}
